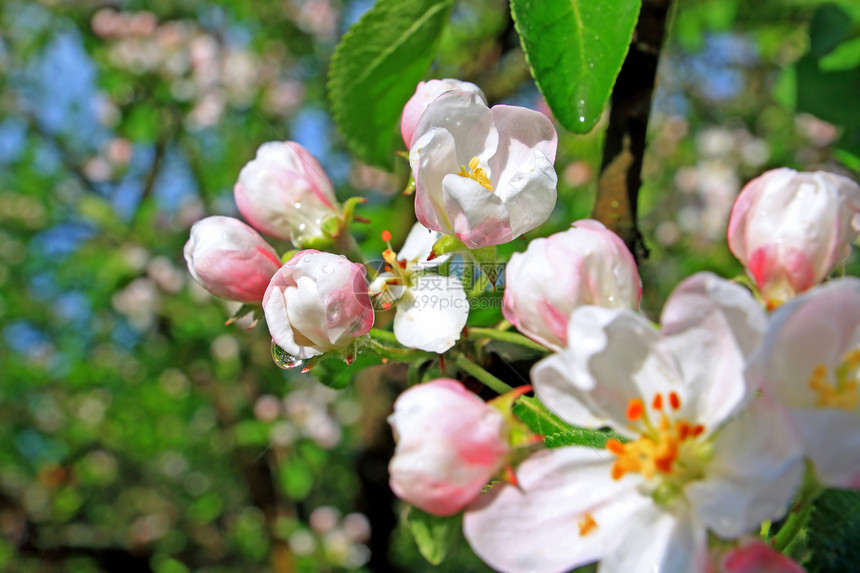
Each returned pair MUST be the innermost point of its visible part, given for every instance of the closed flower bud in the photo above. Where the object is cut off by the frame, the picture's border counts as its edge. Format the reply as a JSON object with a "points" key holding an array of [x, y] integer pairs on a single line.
{"points": [[587, 264], [449, 444], [424, 95], [285, 193], [791, 229], [230, 259], [317, 302]]}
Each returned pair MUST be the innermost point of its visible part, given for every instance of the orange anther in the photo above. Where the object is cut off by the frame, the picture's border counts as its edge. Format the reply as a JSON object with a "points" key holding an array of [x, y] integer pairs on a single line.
{"points": [[615, 446], [657, 403], [635, 409], [697, 430], [674, 400], [386, 236], [586, 524]]}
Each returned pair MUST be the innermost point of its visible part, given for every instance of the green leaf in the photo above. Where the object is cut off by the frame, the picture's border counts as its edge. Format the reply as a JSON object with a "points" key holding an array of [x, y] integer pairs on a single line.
{"points": [[539, 420], [833, 531], [375, 69], [831, 96], [581, 437], [830, 25], [433, 535], [575, 49], [337, 374]]}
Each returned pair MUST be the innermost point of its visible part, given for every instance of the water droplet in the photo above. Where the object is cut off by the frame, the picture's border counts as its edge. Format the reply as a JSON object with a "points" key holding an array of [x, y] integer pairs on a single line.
{"points": [[298, 205], [611, 299], [582, 118], [302, 226], [517, 179], [590, 64], [283, 359], [527, 220], [327, 269]]}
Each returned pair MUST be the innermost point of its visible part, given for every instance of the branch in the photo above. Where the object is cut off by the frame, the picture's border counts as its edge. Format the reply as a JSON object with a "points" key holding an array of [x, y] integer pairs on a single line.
{"points": [[624, 147]]}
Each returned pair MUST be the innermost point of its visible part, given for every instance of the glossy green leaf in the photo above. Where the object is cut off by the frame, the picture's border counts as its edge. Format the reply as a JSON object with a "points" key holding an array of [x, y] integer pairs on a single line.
{"points": [[375, 69], [433, 535], [575, 49], [833, 531], [539, 420]]}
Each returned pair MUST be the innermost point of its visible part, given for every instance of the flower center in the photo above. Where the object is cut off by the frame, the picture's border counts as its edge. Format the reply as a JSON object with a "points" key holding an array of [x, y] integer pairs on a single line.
{"points": [[840, 392], [476, 174], [672, 450]]}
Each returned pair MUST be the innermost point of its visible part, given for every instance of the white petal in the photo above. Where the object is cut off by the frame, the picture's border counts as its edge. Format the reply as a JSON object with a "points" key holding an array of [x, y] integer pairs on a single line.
{"points": [[655, 539], [614, 355], [469, 121], [832, 441], [478, 216], [712, 326], [431, 315], [419, 244], [535, 527], [756, 468], [432, 157], [305, 309]]}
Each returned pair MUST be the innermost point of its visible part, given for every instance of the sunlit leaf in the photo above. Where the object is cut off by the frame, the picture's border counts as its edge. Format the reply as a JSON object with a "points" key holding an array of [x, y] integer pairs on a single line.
{"points": [[375, 70], [575, 49]]}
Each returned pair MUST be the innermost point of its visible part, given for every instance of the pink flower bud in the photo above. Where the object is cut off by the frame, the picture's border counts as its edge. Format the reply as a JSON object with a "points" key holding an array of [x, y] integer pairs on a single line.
{"points": [[449, 444], [791, 229], [284, 192], [757, 557], [230, 259], [317, 302], [587, 264], [424, 95]]}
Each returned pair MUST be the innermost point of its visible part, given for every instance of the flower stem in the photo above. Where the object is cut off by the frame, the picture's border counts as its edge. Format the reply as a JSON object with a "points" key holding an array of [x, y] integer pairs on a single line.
{"points": [[386, 345], [800, 512], [505, 336], [482, 375]]}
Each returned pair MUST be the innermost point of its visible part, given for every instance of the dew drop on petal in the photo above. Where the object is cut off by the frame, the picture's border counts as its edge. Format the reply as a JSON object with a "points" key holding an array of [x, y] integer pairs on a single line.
{"points": [[284, 360], [298, 205]]}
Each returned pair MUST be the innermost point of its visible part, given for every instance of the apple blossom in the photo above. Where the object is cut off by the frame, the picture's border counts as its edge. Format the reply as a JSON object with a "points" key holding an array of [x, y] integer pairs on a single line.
{"points": [[790, 229], [693, 459], [317, 302], [587, 264], [483, 175], [810, 362], [449, 444], [230, 259], [431, 309], [424, 95], [285, 193]]}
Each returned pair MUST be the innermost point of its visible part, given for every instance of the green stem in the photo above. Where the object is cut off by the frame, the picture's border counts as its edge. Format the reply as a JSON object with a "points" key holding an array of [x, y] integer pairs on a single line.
{"points": [[392, 353], [383, 336], [505, 336], [482, 375], [800, 513]]}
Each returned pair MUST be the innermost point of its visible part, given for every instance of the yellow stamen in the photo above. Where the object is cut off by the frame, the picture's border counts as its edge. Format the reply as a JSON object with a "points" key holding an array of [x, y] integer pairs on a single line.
{"points": [[476, 173], [586, 524], [842, 393]]}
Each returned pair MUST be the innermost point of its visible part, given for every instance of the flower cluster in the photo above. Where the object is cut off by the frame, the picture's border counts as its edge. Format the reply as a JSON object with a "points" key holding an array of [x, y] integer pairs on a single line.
{"points": [[665, 438]]}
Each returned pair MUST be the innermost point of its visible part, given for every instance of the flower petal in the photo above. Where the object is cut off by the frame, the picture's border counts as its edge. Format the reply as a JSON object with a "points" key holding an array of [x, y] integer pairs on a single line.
{"points": [[744, 486], [654, 539], [433, 156], [565, 512], [712, 326], [431, 315], [831, 439], [467, 118], [478, 216], [616, 357]]}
